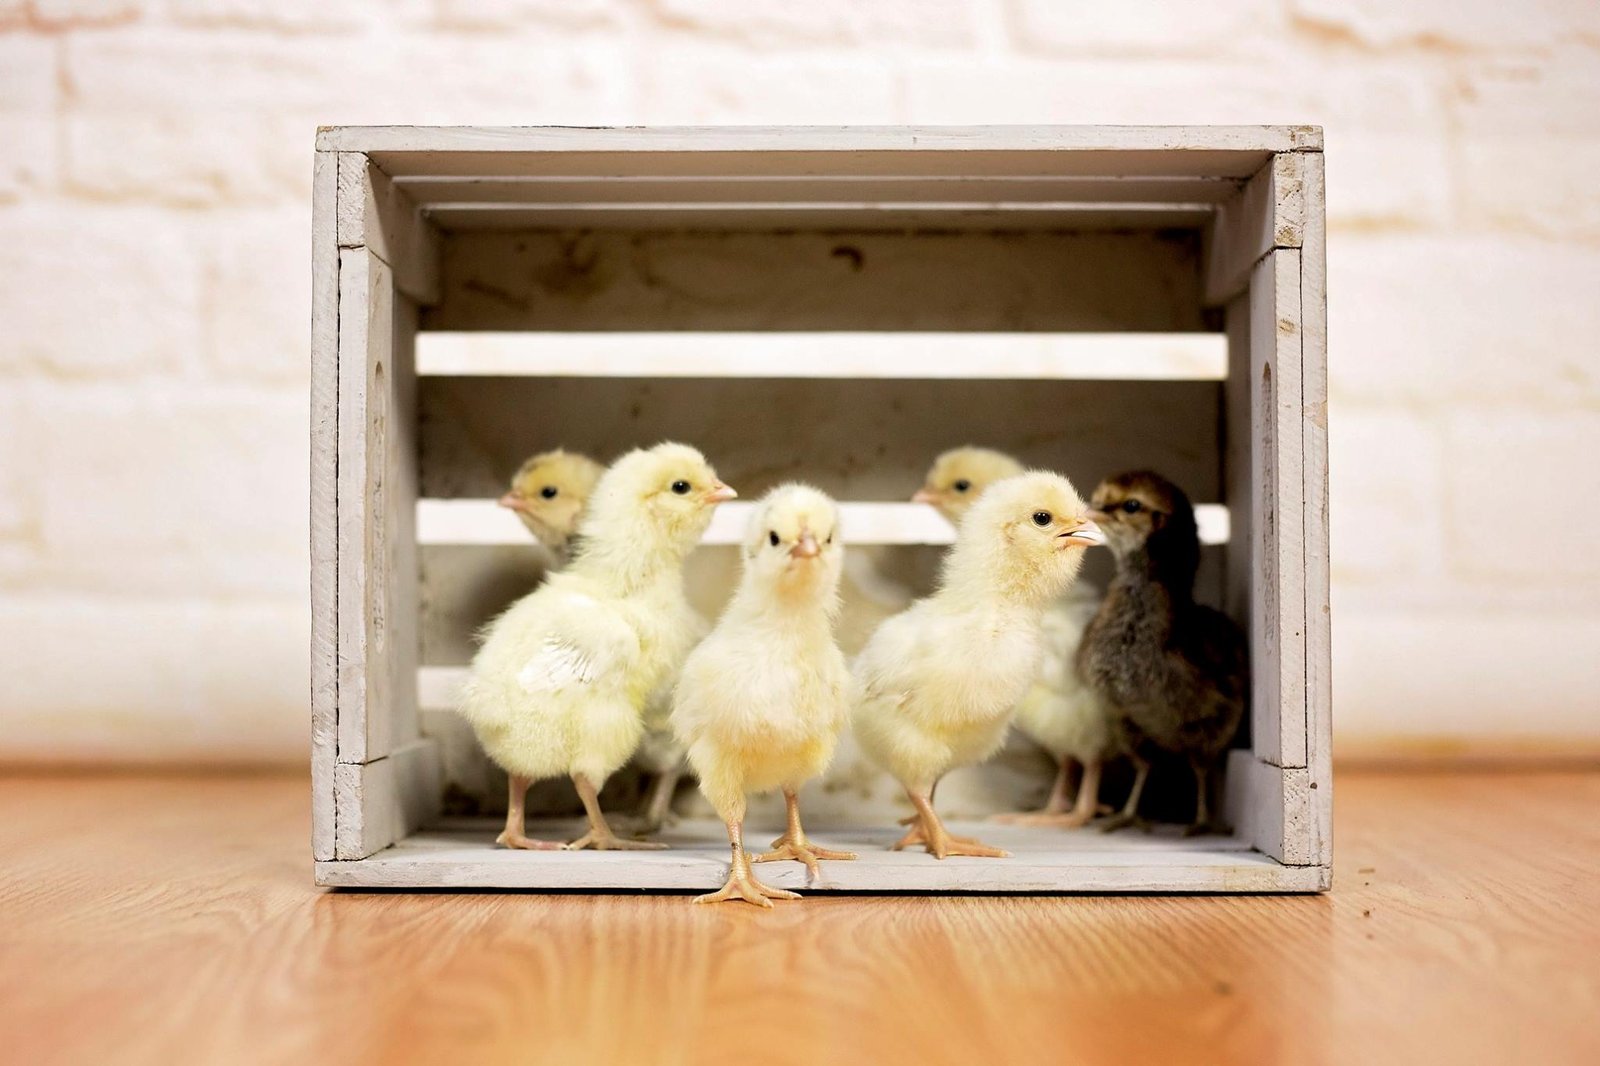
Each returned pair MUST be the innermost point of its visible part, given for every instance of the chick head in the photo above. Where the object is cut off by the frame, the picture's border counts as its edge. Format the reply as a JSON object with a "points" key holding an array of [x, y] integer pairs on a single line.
{"points": [[651, 498], [959, 475], [1026, 535], [549, 491], [793, 541], [1142, 509]]}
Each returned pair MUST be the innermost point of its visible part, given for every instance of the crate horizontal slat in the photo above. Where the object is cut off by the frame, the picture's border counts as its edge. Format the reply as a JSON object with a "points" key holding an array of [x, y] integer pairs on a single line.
{"points": [[484, 522], [922, 356], [830, 189], [1042, 860], [806, 216]]}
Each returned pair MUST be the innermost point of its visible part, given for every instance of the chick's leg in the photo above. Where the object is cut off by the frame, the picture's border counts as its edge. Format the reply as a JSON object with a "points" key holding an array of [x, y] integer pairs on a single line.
{"points": [[931, 833], [600, 837], [794, 845], [1203, 821], [515, 833], [742, 883], [659, 804], [1082, 812], [1129, 815]]}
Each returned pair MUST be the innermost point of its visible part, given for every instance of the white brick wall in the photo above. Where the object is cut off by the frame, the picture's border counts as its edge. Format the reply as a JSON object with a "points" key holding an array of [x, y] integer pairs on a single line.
{"points": [[154, 215]]}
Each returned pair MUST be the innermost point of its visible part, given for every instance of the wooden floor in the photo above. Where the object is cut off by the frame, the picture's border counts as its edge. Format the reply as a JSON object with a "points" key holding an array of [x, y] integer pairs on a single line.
{"points": [[173, 920]]}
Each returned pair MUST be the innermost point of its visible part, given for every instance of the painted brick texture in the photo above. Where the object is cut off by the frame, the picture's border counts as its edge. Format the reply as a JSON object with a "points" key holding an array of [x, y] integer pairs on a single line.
{"points": [[155, 164]]}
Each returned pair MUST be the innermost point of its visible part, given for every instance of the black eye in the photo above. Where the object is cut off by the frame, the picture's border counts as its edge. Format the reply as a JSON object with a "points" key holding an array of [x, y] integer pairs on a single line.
{"points": [[681, 487], [1041, 518], [549, 492], [962, 485], [1131, 506], [830, 538], [772, 538]]}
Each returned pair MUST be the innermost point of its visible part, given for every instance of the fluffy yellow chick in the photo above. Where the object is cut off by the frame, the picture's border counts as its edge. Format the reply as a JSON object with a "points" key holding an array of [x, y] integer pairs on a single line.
{"points": [[762, 700], [939, 681], [564, 675], [548, 493], [1059, 713]]}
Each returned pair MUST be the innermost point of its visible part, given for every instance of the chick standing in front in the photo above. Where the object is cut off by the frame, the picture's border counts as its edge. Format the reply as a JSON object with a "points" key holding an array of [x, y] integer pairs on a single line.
{"points": [[1059, 712], [762, 699], [939, 682], [549, 493], [562, 681], [1174, 673]]}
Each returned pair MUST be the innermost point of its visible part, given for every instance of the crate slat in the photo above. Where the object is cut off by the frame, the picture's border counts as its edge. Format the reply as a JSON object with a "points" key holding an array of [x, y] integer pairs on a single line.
{"points": [[484, 522], [828, 354]]}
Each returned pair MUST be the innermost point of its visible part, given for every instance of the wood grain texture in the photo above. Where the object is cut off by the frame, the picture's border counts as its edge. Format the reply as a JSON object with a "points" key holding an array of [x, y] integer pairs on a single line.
{"points": [[1271, 211], [159, 920], [376, 214]]}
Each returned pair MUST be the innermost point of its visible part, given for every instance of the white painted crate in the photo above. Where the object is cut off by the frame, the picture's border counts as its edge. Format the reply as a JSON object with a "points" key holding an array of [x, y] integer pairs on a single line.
{"points": [[836, 304]]}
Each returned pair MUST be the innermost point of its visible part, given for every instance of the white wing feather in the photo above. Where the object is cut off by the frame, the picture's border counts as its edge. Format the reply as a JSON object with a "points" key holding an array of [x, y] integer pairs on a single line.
{"points": [[559, 665]]}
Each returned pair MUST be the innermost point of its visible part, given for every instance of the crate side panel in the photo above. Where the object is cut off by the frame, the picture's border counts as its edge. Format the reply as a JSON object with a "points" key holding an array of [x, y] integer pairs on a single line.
{"points": [[611, 280], [1319, 615], [1276, 809], [324, 545], [400, 513], [1277, 617], [366, 320], [386, 800]]}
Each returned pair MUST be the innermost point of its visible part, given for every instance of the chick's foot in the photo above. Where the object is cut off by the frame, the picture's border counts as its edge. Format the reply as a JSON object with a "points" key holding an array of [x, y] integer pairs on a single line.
{"points": [[802, 850], [1123, 820], [605, 840], [742, 885], [510, 839]]}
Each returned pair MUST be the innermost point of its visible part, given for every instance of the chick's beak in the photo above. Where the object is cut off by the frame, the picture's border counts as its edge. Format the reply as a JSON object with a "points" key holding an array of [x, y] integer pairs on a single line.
{"points": [[720, 493], [512, 502], [1088, 534], [925, 495], [806, 547]]}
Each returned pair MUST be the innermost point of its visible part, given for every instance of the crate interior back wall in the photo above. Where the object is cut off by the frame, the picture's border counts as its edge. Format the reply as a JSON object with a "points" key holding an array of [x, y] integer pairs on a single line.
{"points": [[836, 305]]}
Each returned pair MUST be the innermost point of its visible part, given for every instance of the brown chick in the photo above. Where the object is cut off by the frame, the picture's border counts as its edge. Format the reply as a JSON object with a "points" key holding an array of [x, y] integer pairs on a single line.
{"points": [[548, 493], [1174, 674]]}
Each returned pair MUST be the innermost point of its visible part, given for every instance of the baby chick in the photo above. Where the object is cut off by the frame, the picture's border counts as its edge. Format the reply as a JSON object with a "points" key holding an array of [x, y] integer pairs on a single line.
{"points": [[762, 700], [1059, 712], [959, 475], [1174, 673], [939, 681], [548, 493], [564, 675]]}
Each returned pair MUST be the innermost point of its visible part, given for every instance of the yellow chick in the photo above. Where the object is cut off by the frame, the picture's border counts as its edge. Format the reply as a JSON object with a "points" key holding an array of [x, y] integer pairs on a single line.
{"points": [[1059, 713], [548, 493], [939, 682], [561, 683], [959, 475], [762, 700]]}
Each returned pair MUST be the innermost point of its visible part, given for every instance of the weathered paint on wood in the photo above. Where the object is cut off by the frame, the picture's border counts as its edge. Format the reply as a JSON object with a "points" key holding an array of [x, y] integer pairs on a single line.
{"points": [[324, 501], [387, 799], [376, 214], [1276, 809], [1269, 212]]}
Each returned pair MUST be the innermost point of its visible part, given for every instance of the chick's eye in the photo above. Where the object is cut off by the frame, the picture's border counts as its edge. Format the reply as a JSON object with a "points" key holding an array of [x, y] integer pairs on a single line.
{"points": [[549, 492], [1132, 506], [681, 487], [1041, 518], [772, 538], [962, 485]]}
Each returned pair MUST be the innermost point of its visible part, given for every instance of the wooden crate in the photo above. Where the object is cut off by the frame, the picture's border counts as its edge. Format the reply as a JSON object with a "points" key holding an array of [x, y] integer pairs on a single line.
{"points": [[830, 303]]}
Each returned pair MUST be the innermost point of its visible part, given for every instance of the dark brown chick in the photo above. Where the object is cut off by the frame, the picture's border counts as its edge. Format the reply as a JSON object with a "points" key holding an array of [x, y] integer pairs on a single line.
{"points": [[1174, 674]]}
